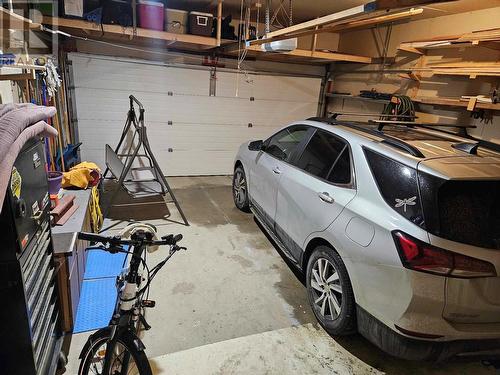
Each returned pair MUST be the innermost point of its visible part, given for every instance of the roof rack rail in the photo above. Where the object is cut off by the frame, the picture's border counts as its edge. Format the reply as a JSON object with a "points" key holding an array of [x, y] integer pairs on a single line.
{"points": [[337, 114], [382, 123], [463, 133], [395, 142]]}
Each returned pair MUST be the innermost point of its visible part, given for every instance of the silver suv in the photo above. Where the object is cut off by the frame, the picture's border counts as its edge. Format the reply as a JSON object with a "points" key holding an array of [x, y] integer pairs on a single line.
{"points": [[397, 230]]}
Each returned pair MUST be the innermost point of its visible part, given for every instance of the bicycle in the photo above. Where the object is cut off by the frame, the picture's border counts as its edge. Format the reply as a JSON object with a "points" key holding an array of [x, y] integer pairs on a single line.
{"points": [[117, 349]]}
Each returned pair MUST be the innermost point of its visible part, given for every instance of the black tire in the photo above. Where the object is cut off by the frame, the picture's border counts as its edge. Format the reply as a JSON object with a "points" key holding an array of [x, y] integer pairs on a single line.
{"points": [[336, 312], [126, 340], [240, 190]]}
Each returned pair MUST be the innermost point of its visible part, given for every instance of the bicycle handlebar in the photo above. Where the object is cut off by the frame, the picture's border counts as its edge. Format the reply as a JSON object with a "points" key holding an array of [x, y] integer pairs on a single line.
{"points": [[166, 240]]}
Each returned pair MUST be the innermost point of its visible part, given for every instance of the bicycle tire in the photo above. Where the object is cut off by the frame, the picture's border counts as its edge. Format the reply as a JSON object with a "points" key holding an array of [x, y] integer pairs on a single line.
{"points": [[126, 339]]}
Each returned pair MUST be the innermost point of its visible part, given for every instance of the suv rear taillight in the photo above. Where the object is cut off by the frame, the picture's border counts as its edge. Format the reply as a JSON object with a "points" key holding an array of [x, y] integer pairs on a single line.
{"points": [[420, 256]]}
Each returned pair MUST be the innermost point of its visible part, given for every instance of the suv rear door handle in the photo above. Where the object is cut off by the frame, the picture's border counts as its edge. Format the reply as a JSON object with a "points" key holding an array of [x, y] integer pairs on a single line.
{"points": [[325, 197], [277, 170]]}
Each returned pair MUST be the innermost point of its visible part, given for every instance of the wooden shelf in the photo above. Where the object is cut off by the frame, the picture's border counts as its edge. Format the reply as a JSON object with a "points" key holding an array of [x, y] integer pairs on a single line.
{"points": [[447, 102], [361, 98], [482, 38], [10, 20], [451, 102], [144, 37], [300, 56]]}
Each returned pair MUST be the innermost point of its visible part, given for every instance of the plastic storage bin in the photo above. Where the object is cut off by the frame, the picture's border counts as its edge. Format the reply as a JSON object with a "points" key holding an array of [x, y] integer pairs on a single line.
{"points": [[151, 14], [176, 21], [200, 23]]}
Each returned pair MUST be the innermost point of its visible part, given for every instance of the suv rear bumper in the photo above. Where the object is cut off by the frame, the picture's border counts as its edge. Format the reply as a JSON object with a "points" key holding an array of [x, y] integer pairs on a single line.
{"points": [[405, 347]]}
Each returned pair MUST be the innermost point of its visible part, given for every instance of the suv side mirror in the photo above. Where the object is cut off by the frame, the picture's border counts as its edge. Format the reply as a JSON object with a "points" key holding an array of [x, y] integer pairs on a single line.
{"points": [[256, 145]]}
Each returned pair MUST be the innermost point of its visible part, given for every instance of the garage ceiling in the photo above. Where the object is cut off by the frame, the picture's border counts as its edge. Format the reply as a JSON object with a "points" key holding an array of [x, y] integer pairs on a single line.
{"points": [[306, 9]]}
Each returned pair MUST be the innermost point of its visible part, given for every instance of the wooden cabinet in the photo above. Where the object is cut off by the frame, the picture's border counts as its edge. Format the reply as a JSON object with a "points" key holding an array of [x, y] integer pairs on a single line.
{"points": [[70, 258]]}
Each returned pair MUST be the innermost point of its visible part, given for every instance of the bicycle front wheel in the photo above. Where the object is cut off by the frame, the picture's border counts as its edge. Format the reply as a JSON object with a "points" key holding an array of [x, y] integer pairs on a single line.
{"points": [[125, 360]]}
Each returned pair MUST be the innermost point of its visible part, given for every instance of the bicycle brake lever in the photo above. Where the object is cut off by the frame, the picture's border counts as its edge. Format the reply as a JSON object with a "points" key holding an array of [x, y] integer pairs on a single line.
{"points": [[177, 248], [145, 324]]}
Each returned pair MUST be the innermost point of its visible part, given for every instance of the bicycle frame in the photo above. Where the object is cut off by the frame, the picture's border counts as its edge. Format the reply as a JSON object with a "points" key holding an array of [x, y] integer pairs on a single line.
{"points": [[127, 312]]}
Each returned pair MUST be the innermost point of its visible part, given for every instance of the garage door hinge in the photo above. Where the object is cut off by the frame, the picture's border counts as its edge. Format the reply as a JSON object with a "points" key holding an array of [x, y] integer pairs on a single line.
{"points": [[252, 99], [170, 150], [250, 125], [170, 93], [170, 123]]}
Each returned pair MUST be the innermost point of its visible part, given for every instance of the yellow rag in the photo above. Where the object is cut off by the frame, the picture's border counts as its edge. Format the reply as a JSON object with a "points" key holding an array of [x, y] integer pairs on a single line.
{"points": [[80, 175]]}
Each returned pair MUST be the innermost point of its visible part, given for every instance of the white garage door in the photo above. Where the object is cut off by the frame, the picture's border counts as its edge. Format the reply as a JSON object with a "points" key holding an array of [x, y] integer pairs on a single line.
{"points": [[190, 132]]}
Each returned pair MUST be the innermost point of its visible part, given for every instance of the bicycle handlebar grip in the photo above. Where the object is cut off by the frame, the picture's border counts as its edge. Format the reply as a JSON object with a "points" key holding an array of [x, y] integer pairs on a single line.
{"points": [[177, 238], [89, 237]]}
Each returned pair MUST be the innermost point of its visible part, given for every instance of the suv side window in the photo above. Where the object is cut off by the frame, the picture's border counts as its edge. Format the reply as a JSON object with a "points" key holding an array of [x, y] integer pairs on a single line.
{"points": [[327, 157], [283, 144]]}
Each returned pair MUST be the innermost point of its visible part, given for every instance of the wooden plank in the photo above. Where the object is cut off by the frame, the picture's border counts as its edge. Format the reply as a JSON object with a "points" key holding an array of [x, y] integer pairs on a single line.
{"points": [[326, 56], [118, 30], [392, 4], [472, 103], [467, 65], [410, 49], [314, 40], [451, 102], [11, 20], [372, 21], [351, 12], [347, 26], [361, 9], [219, 22], [476, 38], [18, 76]]}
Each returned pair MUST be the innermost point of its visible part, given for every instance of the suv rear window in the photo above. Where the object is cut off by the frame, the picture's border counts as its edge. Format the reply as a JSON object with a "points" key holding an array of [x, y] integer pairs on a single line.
{"points": [[462, 211], [397, 184]]}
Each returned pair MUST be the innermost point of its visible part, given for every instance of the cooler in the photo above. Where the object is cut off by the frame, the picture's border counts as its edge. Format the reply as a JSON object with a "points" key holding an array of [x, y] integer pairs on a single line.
{"points": [[200, 23]]}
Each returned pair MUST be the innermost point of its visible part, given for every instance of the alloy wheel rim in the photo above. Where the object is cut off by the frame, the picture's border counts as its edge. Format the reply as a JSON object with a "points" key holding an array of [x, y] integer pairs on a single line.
{"points": [[239, 188], [326, 289]]}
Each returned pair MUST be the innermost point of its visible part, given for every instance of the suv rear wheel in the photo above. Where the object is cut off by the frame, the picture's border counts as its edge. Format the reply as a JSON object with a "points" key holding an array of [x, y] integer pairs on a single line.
{"points": [[240, 190], [330, 292]]}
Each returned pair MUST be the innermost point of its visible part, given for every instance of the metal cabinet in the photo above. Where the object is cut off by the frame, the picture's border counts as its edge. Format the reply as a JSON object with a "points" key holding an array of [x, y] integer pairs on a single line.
{"points": [[30, 316]]}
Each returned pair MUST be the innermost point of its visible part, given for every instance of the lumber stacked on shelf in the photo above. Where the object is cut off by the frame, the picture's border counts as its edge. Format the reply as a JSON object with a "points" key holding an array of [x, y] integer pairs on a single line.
{"points": [[464, 68], [488, 38]]}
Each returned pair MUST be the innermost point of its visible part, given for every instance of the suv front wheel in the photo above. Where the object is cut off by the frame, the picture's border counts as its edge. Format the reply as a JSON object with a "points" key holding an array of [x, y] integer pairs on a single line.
{"points": [[330, 292], [240, 190]]}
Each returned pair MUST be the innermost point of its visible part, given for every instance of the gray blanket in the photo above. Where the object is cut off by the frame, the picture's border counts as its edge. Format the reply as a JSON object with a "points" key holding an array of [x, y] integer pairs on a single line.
{"points": [[19, 123]]}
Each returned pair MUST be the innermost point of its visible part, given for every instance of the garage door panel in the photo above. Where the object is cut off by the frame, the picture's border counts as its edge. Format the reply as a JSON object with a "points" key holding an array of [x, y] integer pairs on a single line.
{"points": [[208, 110], [268, 87], [198, 162], [190, 132], [114, 75]]}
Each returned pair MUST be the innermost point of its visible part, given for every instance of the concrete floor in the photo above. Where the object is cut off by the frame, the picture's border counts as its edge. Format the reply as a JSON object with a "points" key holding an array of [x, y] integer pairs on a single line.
{"points": [[231, 305]]}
